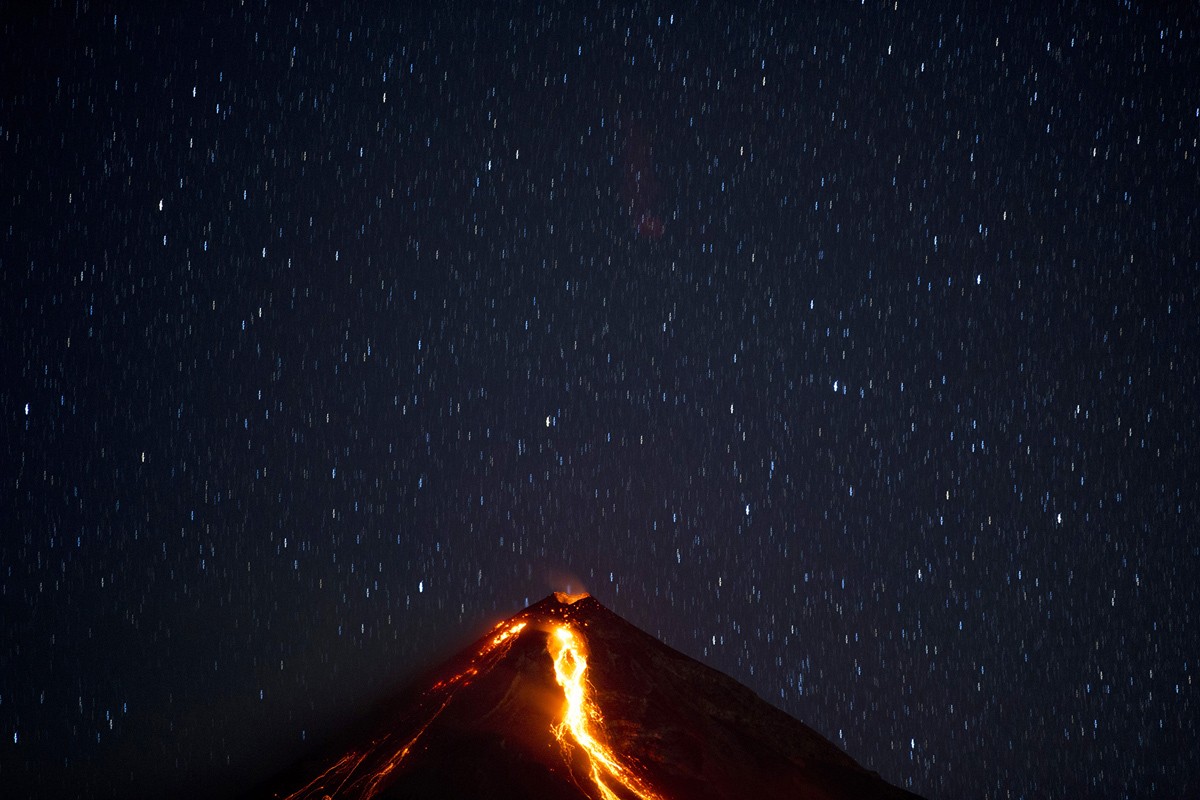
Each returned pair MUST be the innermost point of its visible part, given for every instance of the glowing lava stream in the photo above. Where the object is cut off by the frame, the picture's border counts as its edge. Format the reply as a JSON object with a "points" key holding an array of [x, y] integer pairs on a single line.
{"points": [[364, 773], [342, 779], [570, 663]]}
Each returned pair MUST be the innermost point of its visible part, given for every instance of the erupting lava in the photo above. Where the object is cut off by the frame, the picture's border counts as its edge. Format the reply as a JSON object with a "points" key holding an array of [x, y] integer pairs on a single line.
{"points": [[350, 776], [567, 701], [342, 779], [570, 663]]}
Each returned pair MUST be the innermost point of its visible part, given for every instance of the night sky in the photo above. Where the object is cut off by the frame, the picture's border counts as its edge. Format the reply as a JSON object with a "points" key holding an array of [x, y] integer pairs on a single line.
{"points": [[849, 348]]}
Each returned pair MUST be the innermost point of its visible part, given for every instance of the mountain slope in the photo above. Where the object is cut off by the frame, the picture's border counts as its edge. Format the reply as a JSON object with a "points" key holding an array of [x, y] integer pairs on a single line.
{"points": [[567, 700]]}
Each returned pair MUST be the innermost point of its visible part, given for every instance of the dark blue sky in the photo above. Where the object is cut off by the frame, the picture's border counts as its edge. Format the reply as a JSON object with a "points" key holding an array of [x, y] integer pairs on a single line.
{"points": [[849, 349]]}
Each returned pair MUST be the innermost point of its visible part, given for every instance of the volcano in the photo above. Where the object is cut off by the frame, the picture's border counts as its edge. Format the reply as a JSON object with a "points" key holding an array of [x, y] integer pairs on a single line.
{"points": [[567, 701]]}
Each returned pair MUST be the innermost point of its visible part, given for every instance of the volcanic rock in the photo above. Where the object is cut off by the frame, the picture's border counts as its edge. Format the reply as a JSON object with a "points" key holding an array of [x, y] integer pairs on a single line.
{"points": [[489, 724]]}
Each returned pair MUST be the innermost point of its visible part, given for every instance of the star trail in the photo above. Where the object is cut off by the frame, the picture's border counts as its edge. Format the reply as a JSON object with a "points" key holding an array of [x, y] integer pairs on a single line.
{"points": [[848, 347]]}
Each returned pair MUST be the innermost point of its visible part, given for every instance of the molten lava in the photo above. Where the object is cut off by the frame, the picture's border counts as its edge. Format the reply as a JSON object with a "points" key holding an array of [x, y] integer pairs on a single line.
{"points": [[567, 701], [342, 779], [570, 664], [366, 773]]}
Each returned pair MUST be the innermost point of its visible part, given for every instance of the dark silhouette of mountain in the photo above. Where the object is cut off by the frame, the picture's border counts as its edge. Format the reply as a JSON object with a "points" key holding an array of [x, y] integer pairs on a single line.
{"points": [[566, 700]]}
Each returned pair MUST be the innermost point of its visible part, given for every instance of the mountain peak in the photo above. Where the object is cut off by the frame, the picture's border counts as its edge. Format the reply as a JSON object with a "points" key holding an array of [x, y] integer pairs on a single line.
{"points": [[565, 700]]}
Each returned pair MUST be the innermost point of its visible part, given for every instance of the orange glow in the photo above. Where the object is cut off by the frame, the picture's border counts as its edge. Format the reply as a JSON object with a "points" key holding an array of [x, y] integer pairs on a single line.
{"points": [[337, 775], [507, 634], [344, 778], [582, 715], [366, 773]]}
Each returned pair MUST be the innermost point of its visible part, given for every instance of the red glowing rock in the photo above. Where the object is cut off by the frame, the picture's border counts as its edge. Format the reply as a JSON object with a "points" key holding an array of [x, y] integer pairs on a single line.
{"points": [[646, 721]]}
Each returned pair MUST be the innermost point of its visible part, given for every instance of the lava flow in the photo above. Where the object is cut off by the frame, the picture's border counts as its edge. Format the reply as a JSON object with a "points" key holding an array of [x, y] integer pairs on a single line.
{"points": [[343, 778], [368, 772], [567, 701], [570, 664]]}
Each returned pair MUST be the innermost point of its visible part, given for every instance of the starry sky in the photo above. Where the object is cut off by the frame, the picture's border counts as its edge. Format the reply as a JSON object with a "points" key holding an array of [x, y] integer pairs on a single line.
{"points": [[849, 348]]}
